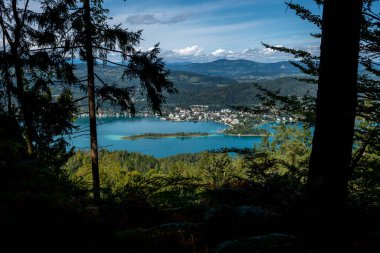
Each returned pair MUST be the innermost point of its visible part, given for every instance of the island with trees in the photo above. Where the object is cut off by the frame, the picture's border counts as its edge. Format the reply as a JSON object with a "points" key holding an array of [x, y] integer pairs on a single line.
{"points": [[246, 130], [165, 135]]}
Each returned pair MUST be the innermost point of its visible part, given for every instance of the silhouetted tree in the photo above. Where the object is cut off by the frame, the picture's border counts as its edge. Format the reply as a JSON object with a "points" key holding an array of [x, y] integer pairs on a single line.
{"points": [[329, 169], [94, 39], [31, 59], [14, 32], [6, 78], [367, 131], [346, 109]]}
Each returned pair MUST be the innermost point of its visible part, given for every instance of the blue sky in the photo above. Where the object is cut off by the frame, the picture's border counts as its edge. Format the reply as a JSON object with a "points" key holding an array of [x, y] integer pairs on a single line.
{"points": [[205, 30]]}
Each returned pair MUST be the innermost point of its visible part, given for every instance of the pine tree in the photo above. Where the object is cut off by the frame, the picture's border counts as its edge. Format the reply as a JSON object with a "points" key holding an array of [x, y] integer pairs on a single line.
{"points": [[93, 38], [367, 131], [30, 58], [338, 165]]}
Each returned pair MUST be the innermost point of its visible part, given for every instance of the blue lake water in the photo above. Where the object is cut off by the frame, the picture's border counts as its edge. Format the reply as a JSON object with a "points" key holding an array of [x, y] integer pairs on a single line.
{"points": [[110, 131]]}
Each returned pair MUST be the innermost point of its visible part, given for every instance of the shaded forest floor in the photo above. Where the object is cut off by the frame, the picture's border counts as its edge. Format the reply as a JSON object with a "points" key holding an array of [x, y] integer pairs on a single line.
{"points": [[41, 210]]}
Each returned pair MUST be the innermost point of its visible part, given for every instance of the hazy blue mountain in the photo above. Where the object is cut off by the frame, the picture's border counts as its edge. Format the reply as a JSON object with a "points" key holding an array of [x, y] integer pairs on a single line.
{"points": [[113, 74], [181, 78], [238, 69]]}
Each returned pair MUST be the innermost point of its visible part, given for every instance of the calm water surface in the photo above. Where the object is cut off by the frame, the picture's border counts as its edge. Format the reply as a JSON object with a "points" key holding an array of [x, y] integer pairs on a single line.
{"points": [[111, 130]]}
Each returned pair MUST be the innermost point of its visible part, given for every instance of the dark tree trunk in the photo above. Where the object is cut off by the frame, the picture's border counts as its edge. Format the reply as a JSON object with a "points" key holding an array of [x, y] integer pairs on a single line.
{"points": [[7, 81], [21, 97], [336, 110], [91, 102], [26, 113]]}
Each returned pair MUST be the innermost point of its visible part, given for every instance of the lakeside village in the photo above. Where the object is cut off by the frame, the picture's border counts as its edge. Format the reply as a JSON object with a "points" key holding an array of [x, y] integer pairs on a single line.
{"points": [[239, 122]]}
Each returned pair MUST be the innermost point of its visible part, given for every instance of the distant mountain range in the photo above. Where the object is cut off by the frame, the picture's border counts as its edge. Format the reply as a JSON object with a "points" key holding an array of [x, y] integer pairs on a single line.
{"points": [[238, 69], [231, 82], [222, 82]]}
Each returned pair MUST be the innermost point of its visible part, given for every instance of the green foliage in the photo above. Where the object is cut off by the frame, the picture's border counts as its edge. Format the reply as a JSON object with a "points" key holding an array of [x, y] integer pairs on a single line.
{"points": [[277, 167], [174, 181], [365, 181], [115, 167], [217, 168], [160, 190], [133, 177], [53, 119], [287, 153]]}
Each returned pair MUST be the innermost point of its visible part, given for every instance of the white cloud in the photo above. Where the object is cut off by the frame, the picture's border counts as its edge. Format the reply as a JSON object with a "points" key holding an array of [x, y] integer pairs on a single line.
{"points": [[222, 52], [268, 51], [198, 54], [314, 50], [250, 51], [189, 51], [259, 54], [219, 52], [149, 19]]}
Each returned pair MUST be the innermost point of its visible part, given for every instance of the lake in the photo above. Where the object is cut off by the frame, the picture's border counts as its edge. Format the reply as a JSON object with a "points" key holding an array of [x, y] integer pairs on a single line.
{"points": [[110, 131]]}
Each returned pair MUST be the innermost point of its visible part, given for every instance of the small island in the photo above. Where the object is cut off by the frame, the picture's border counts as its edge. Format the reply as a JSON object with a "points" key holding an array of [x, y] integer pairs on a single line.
{"points": [[165, 135], [246, 130]]}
